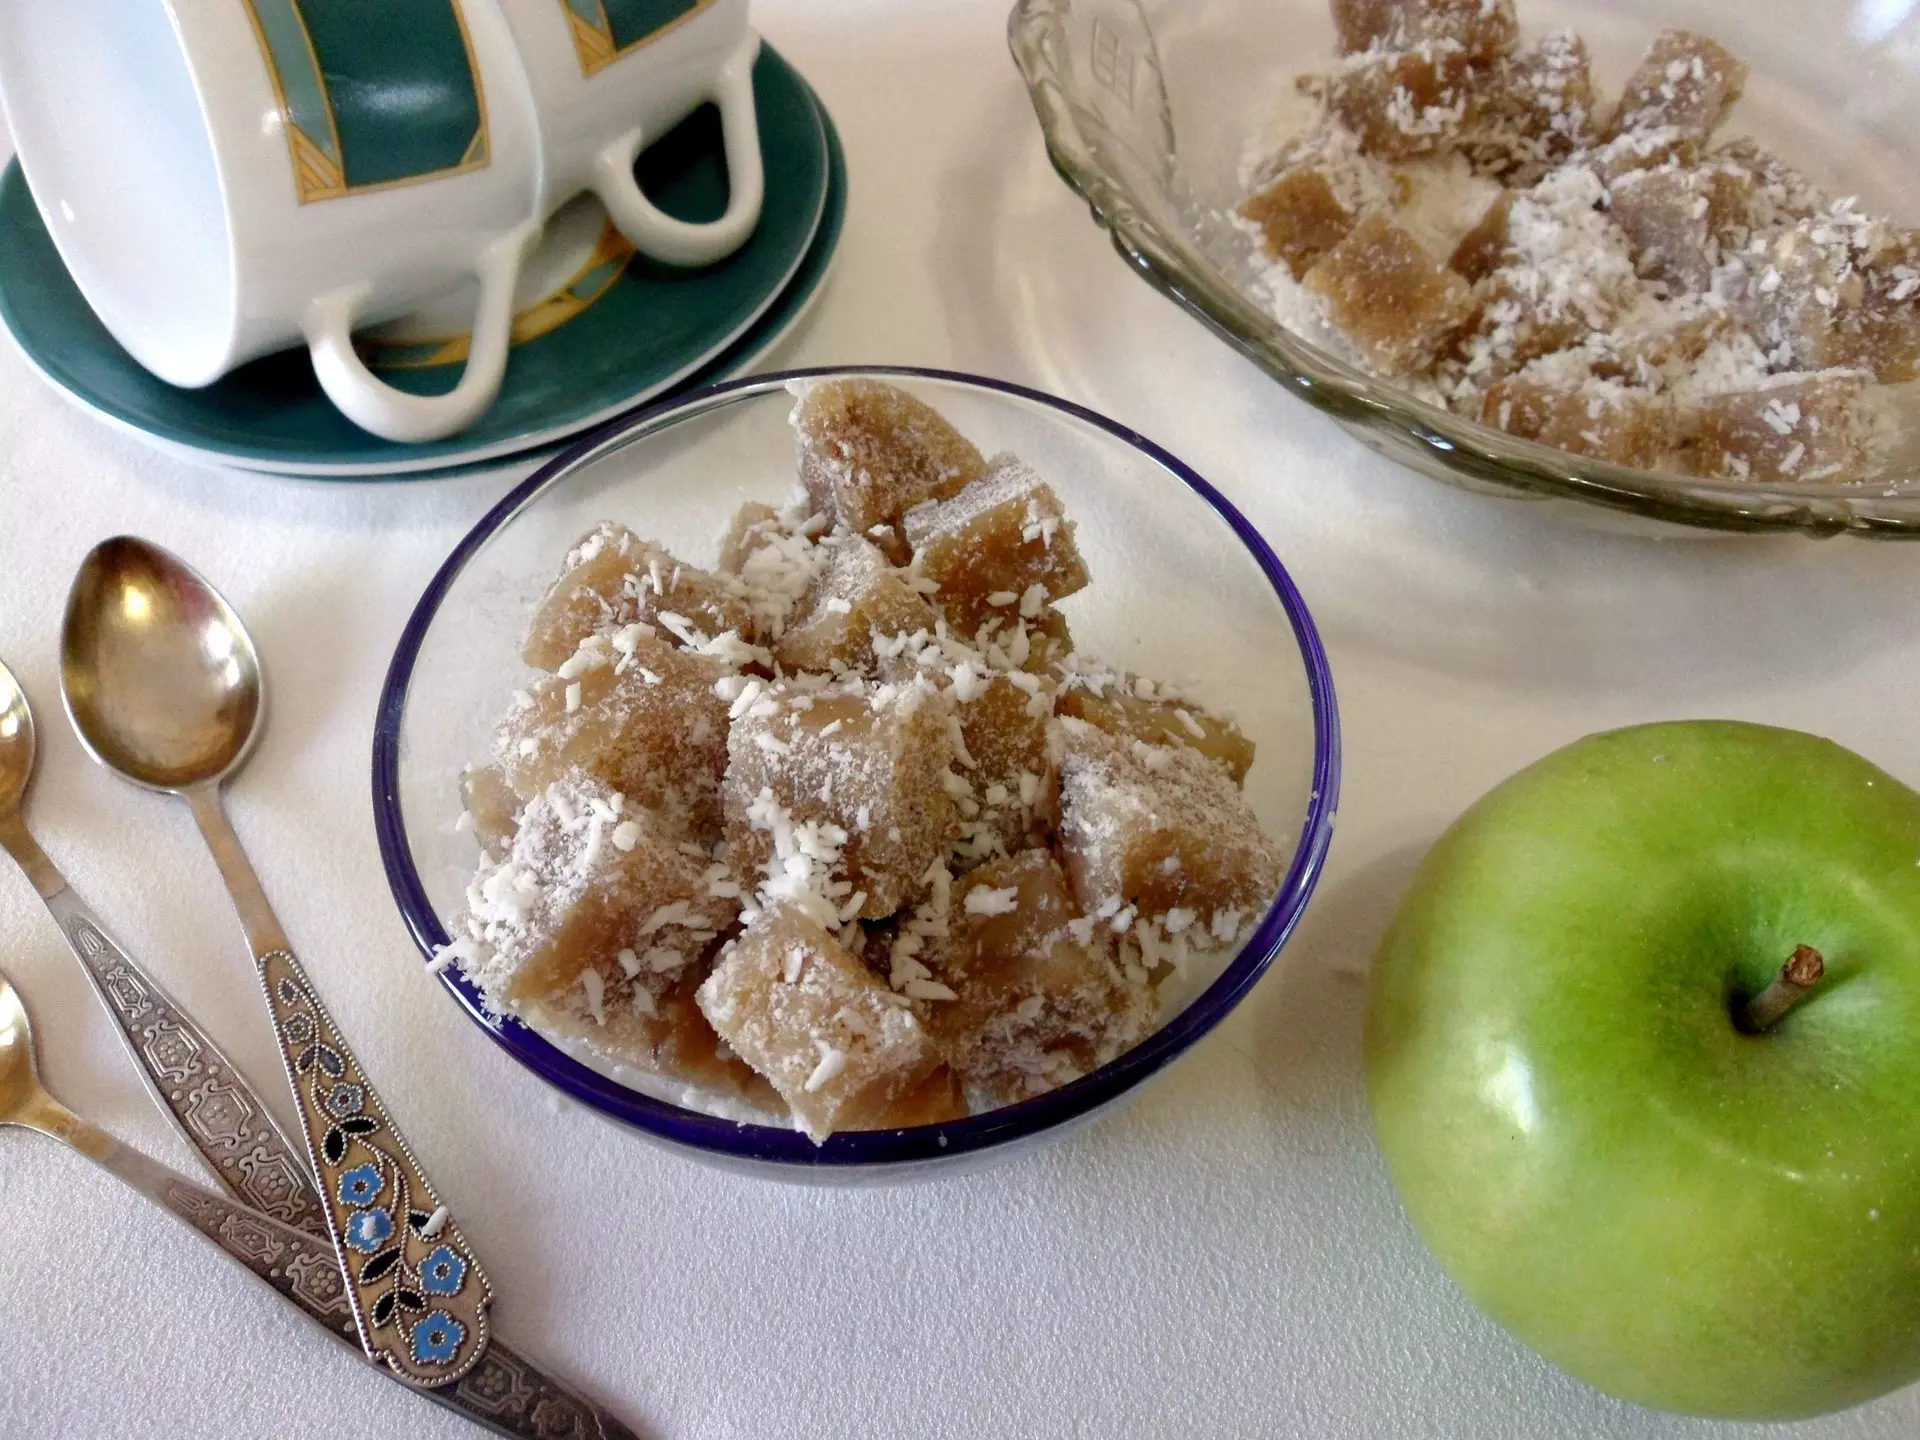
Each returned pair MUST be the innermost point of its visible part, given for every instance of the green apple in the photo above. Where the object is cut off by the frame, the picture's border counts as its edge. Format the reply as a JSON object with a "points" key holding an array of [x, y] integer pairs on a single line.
{"points": [[1677, 1207]]}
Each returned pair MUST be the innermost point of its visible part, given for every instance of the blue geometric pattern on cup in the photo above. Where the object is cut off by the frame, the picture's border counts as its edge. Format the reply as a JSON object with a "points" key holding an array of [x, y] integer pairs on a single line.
{"points": [[604, 30], [372, 95]]}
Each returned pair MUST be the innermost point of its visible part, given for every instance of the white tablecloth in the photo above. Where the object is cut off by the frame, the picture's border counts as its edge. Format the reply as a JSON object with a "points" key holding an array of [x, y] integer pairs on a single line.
{"points": [[1224, 1257]]}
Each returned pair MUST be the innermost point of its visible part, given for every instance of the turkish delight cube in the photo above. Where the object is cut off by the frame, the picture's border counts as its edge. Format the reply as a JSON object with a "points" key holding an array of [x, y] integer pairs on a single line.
{"points": [[492, 810], [1799, 293], [1391, 298], [869, 452], [1605, 419], [682, 1045], [1532, 110], [594, 913], [837, 1044], [1134, 708], [1160, 832], [1685, 85], [1299, 217], [1794, 427], [1001, 548], [1674, 217], [1482, 29], [752, 525], [936, 1100], [1881, 332], [614, 578], [1004, 758], [855, 597], [1482, 249], [1038, 999], [1778, 196], [636, 712], [844, 791], [1400, 104]]}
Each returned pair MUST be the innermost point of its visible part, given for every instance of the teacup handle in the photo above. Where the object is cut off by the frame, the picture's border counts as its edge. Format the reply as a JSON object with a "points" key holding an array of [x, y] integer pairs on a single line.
{"points": [[373, 404], [657, 234]]}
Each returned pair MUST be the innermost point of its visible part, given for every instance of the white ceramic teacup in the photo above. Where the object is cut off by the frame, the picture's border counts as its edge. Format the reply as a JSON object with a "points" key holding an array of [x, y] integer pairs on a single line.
{"points": [[226, 178], [609, 77]]}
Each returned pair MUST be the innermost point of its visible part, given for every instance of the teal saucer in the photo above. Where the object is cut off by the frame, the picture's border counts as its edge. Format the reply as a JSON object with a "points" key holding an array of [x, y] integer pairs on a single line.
{"points": [[787, 311], [651, 330]]}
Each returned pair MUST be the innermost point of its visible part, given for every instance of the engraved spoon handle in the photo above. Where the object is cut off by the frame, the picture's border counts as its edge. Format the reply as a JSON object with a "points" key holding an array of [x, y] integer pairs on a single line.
{"points": [[208, 1099], [505, 1392], [419, 1297]]}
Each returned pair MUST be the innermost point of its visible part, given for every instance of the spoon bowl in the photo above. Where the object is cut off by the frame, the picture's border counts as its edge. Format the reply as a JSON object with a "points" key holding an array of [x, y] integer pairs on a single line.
{"points": [[19, 1080], [16, 742], [161, 679]]}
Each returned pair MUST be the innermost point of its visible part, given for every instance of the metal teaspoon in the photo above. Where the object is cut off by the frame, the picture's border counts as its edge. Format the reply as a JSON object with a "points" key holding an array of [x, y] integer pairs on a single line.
{"points": [[218, 1112], [163, 684], [505, 1393]]}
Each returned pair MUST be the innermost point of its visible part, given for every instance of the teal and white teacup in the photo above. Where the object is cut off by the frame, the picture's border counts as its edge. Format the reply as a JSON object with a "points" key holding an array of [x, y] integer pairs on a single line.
{"points": [[226, 178], [609, 77]]}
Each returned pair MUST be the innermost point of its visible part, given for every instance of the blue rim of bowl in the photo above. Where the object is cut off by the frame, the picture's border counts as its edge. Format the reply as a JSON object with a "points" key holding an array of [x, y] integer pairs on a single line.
{"points": [[772, 1145]]}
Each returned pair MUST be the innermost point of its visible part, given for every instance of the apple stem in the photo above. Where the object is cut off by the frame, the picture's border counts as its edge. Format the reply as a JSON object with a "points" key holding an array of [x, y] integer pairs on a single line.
{"points": [[1794, 983]]}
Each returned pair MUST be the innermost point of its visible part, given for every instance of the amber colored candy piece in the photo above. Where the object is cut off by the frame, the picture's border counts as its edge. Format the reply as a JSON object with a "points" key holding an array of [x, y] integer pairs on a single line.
{"points": [[594, 914], [936, 1100], [1035, 1006], [1006, 763], [682, 1045], [1600, 418], [1533, 110], [838, 1045], [855, 597], [1685, 85], [1159, 828], [614, 578], [1482, 29], [869, 452], [1792, 428], [1778, 195], [1399, 104], [868, 761], [1120, 710], [634, 711], [1800, 298], [1673, 218], [745, 534], [1002, 548], [1482, 249], [1882, 332], [492, 808], [1391, 298], [1300, 219]]}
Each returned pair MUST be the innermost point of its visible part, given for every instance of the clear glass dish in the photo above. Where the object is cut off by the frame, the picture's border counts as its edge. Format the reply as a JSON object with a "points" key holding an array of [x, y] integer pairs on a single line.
{"points": [[1184, 589], [1146, 106]]}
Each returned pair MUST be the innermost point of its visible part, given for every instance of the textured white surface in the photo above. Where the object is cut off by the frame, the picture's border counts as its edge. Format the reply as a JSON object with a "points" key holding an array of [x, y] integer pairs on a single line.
{"points": [[1225, 1257]]}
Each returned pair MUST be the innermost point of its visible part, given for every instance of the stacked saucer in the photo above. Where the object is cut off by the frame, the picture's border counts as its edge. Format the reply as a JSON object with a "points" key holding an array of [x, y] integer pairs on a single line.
{"points": [[598, 328]]}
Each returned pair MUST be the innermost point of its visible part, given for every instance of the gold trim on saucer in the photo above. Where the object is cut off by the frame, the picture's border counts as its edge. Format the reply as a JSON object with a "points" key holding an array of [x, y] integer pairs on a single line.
{"points": [[583, 289]]}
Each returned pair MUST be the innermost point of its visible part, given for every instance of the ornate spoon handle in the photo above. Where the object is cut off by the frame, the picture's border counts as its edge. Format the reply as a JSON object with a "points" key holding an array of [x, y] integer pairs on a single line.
{"points": [[419, 1298], [504, 1392], [210, 1101]]}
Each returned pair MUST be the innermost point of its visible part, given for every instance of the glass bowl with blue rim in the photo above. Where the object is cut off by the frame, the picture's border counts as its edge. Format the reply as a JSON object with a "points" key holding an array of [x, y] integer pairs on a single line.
{"points": [[1184, 590]]}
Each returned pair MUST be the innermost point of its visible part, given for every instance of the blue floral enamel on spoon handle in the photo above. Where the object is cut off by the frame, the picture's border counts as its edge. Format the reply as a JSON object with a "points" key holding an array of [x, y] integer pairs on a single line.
{"points": [[418, 1296], [504, 1392]]}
